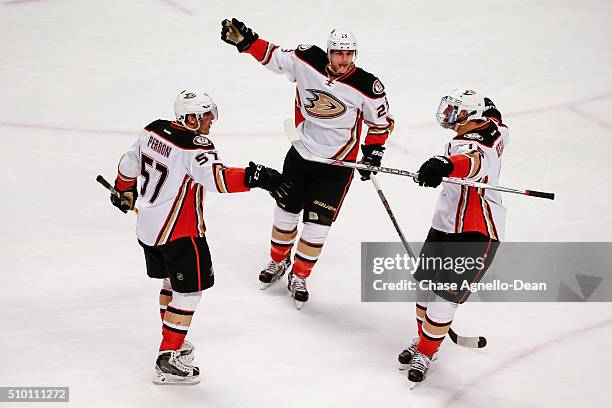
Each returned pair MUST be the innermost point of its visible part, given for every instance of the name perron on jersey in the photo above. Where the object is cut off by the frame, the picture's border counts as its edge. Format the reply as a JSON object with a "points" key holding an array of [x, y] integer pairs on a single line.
{"points": [[174, 167], [329, 110], [464, 209]]}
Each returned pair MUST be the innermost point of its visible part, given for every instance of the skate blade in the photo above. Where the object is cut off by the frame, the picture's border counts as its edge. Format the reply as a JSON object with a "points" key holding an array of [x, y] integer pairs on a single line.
{"points": [[168, 379], [298, 304], [266, 285], [412, 384]]}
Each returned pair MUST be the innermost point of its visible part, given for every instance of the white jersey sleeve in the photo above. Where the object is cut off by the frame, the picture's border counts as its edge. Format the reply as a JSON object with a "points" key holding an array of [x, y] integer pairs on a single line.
{"points": [[476, 155], [129, 165], [377, 117], [201, 167]]}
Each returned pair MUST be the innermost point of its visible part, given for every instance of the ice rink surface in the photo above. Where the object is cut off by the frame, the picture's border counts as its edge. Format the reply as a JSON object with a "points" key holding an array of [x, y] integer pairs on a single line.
{"points": [[78, 80]]}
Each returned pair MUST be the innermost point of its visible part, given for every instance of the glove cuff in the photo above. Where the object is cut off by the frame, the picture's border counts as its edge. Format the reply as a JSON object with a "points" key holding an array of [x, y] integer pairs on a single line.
{"points": [[123, 183], [246, 43], [369, 148]]}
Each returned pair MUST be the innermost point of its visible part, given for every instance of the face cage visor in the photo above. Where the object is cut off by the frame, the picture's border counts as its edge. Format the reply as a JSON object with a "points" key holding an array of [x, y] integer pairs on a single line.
{"points": [[452, 112]]}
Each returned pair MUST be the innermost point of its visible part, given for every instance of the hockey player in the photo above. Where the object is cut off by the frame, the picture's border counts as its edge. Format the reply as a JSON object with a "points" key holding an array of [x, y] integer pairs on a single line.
{"points": [[333, 98], [175, 163], [462, 215]]}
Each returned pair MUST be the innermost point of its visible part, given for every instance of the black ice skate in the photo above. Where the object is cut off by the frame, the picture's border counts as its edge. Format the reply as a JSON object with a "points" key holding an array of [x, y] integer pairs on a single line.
{"points": [[170, 368], [297, 287], [418, 368], [405, 357], [273, 272]]}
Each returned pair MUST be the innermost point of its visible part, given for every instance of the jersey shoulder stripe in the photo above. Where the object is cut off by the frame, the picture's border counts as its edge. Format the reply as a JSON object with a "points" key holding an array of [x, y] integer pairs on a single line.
{"points": [[313, 56], [179, 136], [486, 135], [365, 83]]}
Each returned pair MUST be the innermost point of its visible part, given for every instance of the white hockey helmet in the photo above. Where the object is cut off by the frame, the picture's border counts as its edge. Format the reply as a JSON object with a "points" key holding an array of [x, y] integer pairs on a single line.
{"points": [[460, 106], [194, 102], [341, 40]]}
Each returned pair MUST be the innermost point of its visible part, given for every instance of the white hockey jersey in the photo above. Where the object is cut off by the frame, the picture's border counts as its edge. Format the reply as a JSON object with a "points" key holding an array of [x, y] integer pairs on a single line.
{"points": [[329, 110], [465, 209], [174, 167]]}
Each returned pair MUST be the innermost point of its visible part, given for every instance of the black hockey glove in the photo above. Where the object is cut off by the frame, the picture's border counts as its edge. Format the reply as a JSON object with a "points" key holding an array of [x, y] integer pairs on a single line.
{"points": [[432, 171], [372, 155], [490, 110], [237, 34], [257, 175], [126, 199]]}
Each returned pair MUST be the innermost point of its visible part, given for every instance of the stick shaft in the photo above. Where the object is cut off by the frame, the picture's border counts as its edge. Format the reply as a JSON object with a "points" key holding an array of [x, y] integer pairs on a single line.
{"points": [[306, 154], [391, 215]]}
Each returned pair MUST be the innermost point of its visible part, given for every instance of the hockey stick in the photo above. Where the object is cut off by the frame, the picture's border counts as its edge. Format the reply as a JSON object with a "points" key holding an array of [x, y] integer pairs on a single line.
{"points": [[391, 215], [471, 342], [112, 189], [294, 138]]}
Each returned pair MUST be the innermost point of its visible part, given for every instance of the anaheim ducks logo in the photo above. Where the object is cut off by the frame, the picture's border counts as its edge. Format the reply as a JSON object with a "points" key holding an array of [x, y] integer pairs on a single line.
{"points": [[202, 141], [189, 95], [323, 105], [469, 92]]}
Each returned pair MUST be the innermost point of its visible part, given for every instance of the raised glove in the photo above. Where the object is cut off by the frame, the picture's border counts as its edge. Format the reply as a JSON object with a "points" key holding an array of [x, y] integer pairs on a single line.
{"points": [[257, 175], [126, 199], [491, 110], [432, 171], [372, 155], [237, 34]]}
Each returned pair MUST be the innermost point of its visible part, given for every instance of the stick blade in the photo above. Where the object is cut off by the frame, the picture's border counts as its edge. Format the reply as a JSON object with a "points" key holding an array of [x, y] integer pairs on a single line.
{"points": [[482, 342], [469, 342]]}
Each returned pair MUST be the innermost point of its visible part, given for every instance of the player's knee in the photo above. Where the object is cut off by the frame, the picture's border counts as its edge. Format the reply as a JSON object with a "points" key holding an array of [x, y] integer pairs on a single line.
{"points": [[291, 203], [285, 220], [315, 233], [441, 311], [186, 301]]}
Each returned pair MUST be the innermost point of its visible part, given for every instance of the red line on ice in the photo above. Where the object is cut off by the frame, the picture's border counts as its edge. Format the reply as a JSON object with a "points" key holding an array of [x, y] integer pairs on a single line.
{"points": [[133, 132], [66, 129], [178, 7], [401, 129], [11, 2], [482, 378]]}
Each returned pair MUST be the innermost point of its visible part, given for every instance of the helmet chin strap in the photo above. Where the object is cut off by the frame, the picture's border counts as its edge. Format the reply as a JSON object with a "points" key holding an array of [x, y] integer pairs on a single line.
{"points": [[199, 122]]}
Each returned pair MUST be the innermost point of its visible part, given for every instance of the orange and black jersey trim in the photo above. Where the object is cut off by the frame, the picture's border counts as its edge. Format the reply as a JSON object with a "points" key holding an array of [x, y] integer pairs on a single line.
{"points": [[356, 77], [474, 213], [186, 218], [487, 134], [179, 135], [316, 58]]}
